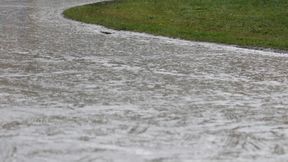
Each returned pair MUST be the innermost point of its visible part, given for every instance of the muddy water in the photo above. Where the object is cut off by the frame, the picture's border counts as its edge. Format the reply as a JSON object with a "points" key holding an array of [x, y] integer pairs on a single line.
{"points": [[71, 93]]}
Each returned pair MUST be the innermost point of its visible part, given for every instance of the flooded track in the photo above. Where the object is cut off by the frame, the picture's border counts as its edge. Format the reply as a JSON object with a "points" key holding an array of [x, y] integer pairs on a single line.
{"points": [[71, 93]]}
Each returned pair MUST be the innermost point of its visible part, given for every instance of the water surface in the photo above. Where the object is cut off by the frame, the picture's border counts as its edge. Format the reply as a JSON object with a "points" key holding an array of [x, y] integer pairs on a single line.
{"points": [[71, 93]]}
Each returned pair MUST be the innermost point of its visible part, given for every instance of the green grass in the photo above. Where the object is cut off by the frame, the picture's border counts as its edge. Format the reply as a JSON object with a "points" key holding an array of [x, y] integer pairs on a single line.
{"points": [[253, 23]]}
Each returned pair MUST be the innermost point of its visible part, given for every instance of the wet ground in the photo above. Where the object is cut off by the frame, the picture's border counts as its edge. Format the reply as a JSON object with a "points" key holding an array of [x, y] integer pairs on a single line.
{"points": [[69, 92]]}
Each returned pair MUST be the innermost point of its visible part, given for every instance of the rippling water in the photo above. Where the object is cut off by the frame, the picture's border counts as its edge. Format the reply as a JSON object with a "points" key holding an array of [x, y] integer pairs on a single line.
{"points": [[71, 93]]}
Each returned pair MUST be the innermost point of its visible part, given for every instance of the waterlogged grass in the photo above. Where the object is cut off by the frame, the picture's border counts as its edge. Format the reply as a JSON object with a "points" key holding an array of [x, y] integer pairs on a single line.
{"points": [[254, 23]]}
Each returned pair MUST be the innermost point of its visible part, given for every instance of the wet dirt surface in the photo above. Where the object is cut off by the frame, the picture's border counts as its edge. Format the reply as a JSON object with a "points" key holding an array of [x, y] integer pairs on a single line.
{"points": [[70, 92]]}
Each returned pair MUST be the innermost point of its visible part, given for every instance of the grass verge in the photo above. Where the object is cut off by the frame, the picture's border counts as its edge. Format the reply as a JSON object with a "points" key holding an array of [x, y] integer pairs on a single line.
{"points": [[252, 23]]}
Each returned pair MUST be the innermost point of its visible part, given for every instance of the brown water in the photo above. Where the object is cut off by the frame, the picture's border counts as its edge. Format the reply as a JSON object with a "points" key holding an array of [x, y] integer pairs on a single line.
{"points": [[71, 93]]}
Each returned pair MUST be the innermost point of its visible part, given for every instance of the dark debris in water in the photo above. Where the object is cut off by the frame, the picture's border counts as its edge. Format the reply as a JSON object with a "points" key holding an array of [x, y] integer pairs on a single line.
{"points": [[106, 32]]}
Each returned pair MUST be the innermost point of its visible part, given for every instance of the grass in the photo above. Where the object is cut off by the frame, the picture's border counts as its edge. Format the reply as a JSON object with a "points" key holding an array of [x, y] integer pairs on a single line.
{"points": [[252, 23]]}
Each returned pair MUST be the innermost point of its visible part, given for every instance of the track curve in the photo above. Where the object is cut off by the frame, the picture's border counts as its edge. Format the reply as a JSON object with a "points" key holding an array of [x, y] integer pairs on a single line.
{"points": [[68, 92]]}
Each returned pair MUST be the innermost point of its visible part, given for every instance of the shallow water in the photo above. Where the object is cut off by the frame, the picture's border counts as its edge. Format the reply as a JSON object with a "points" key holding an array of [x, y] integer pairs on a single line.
{"points": [[71, 93]]}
